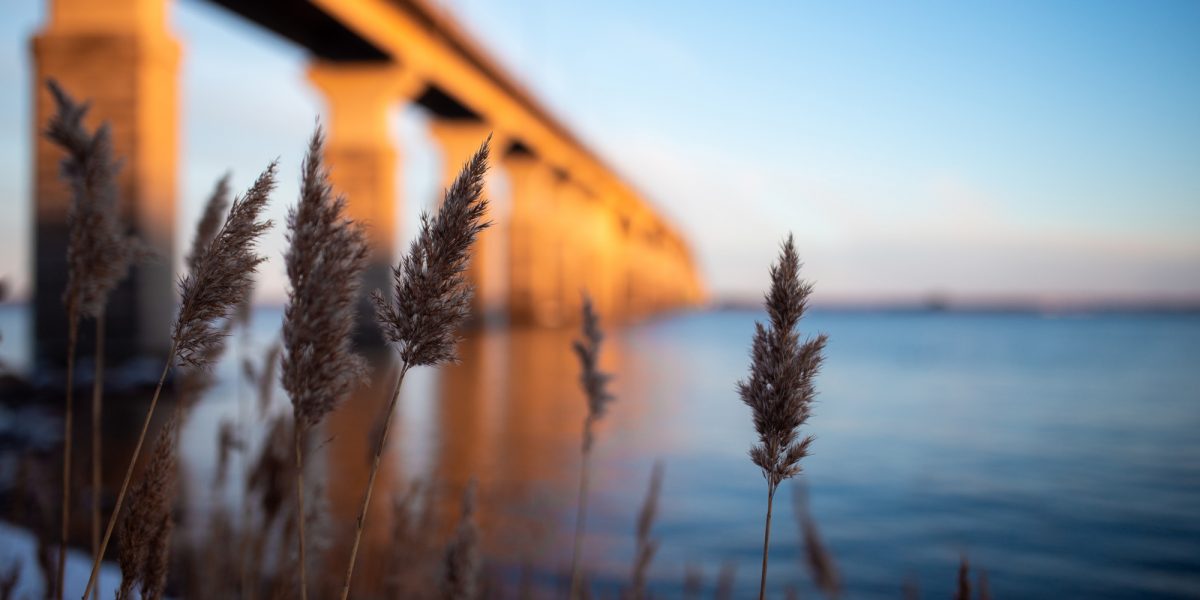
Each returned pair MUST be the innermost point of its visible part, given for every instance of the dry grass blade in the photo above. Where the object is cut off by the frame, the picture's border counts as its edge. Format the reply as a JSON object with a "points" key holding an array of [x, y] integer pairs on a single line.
{"points": [[819, 560], [780, 389], [963, 590], [646, 546], [431, 296], [463, 562], [146, 528]]}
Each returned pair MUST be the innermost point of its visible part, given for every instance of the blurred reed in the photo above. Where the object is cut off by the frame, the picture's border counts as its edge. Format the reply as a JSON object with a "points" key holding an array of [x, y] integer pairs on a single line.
{"points": [[325, 260], [595, 388], [99, 253]]}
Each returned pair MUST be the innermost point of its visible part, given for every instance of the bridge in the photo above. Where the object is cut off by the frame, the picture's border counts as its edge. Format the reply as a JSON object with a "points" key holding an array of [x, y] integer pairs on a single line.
{"points": [[573, 222]]}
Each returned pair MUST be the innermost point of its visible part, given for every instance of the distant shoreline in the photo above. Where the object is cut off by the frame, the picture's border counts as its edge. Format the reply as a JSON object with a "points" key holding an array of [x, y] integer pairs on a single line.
{"points": [[999, 307]]}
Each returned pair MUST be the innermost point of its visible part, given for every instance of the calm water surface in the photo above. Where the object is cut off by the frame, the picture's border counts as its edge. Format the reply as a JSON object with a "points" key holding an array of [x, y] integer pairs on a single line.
{"points": [[1061, 454]]}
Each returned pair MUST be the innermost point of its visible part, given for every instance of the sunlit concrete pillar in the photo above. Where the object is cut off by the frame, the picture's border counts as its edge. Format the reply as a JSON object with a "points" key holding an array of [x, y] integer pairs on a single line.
{"points": [[533, 240], [575, 248], [362, 157], [459, 139], [120, 56]]}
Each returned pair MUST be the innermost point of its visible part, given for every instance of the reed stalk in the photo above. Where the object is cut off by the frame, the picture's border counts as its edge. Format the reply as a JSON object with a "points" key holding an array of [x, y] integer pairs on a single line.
{"points": [[595, 388], [780, 388], [97, 445], [68, 436], [99, 252], [223, 275], [325, 261], [431, 299]]}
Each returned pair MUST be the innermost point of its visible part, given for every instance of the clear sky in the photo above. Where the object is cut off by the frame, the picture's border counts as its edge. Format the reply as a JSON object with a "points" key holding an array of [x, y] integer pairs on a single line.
{"points": [[1015, 149]]}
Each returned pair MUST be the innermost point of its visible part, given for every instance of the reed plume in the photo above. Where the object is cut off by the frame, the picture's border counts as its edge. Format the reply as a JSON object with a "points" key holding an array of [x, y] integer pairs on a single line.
{"points": [[431, 299], [646, 545], [819, 560], [222, 278], [210, 222], [780, 388], [963, 589], [462, 565], [595, 388], [325, 261], [147, 525], [99, 253]]}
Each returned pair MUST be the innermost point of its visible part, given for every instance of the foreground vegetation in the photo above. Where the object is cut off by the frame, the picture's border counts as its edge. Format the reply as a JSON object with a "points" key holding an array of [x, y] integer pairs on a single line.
{"points": [[279, 546]]}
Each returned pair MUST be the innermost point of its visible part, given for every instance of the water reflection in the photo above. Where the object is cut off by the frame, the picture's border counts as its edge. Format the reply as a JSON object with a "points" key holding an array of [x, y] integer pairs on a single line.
{"points": [[1058, 460]]}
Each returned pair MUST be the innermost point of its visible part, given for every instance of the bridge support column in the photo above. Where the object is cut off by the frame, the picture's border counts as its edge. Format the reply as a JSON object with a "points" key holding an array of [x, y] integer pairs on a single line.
{"points": [[362, 158], [459, 139], [534, 259], [119, 56]]}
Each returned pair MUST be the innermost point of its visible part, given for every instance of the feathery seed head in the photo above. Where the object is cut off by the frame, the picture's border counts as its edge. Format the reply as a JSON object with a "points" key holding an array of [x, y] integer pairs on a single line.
{"points": [[593, 381], [210, 221], [325, 261], [780, 388], [431, 295], [145, 530], [222, 278], [99, 251]]}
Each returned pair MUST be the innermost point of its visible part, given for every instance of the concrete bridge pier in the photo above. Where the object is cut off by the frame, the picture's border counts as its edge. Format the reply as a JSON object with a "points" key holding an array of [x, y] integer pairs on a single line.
{"points": [[459, 138], [362, 158], [534, 261]]}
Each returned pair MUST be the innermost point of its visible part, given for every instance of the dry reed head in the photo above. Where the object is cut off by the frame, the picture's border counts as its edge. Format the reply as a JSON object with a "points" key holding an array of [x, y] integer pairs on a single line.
{"points": [[325, 261], [780, 388], [99, 251], [463, 562], [646, 546], [222, 278], [431, 296], [591, 378], [210, 222], [145, 530]]}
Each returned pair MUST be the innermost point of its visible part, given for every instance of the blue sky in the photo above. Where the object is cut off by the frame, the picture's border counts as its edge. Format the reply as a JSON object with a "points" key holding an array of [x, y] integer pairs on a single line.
{"points": [[1016, 149]]}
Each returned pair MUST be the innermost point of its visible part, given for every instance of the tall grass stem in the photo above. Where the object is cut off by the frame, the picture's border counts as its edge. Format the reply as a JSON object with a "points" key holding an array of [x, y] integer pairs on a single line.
{"points": [[97, 445], [362, 513], [137, 451]]}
